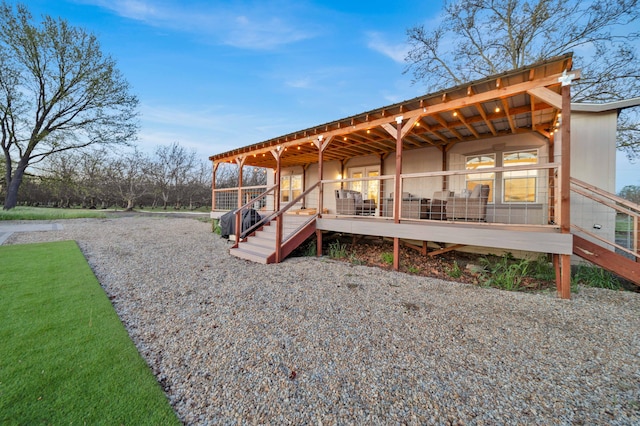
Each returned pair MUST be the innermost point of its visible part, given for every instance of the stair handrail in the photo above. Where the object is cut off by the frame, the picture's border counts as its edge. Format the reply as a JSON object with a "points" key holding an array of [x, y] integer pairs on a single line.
{"points": [[293, 202], [238, 215], [626, 203], [272, 216], [612, 201]]}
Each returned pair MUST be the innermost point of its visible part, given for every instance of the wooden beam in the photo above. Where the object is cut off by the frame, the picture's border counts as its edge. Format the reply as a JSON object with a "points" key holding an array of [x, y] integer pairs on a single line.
{"points": [[512, 124], [397, 199], [446, 249], [564, 285], [213, 185], [444, 124], [547, 96], [488, 122], [565, 162], [468, 125], [607, 259], [422, 249]]}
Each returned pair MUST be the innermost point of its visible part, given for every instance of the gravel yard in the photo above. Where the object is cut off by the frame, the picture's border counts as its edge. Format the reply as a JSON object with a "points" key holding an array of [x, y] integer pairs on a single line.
{"points": [[315, 341]]}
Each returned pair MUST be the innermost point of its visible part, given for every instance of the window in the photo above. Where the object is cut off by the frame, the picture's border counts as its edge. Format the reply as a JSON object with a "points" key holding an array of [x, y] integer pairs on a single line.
{"points": [[479, 162], [520, 186], [369, 188], [290, 187]]}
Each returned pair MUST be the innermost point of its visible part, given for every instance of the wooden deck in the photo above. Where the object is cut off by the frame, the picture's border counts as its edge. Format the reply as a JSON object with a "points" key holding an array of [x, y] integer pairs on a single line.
{"points": [[509, 237]]}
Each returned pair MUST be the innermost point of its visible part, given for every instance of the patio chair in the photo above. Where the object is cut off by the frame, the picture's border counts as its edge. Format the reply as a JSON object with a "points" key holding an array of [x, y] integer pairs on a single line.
{"points": [[438, 205], [351, 202], [413, 206], [473, 207]]}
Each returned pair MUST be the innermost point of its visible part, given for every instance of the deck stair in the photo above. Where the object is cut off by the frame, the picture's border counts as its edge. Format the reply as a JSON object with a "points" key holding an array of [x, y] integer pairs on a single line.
{"points": [[607, 259], [621, 256], [260, 247]]}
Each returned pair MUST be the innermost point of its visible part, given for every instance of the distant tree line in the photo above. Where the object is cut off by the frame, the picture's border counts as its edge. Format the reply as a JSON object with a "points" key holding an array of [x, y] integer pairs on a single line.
{"points": [[630, 193], [172, 177]]}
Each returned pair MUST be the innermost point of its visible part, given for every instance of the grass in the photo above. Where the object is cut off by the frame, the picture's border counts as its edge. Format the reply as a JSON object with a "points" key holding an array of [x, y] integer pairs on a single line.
{"points": [[454, 271], [594, 276], [387, 257], [65, 357], [337, 250], [508, 273], [183, 209], [47, 213]]}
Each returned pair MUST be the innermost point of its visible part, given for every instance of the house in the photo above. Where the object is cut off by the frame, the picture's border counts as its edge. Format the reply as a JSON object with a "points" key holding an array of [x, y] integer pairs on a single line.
{"points": [[502, 163]]}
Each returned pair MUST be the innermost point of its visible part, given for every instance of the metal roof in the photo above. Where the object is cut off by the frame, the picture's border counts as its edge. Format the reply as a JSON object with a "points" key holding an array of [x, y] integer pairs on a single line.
{"points": [[518, 101]]}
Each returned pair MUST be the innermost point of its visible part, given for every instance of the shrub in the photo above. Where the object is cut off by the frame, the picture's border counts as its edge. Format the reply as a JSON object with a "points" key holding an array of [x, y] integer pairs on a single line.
{"points": [[413, 269], [505, 273], [337, 250], [454, 271], [311, 249], [387, 257]]}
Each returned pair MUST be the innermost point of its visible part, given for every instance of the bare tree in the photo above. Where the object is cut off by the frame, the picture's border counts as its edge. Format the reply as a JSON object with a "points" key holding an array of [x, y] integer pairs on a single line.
{"points": [[198, 188], [92, 176], [58, 92], [478, 38], [171, 169], [62, 179], [631, 193], [128, 176]]}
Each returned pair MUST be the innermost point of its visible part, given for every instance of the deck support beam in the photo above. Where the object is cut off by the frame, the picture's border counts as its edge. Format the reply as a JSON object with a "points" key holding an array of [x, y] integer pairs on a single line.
{"points": [[321, 147], [213, 184], [276, 154], [397, 198], [563, 281], [240, 162]]}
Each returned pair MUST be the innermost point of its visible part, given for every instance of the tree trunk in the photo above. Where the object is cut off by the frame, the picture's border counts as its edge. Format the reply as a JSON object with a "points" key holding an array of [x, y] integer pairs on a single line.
{"points": [[14, 185]]}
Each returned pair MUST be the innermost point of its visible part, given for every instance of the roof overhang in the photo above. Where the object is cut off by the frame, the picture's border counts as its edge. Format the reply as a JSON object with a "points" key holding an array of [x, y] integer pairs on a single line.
{"points": [[519, 101], [605, 107]]}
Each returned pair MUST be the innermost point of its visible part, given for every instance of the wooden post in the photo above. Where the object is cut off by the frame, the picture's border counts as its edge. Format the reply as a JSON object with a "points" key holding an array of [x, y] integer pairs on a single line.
{"points": [[318, 243], [564, 284], [551, 181], [320, 193], [444, 168], [320, 175], [397, 194], [276, 202], [213, 185], [240, 163], [636, 245], [279, 226]]}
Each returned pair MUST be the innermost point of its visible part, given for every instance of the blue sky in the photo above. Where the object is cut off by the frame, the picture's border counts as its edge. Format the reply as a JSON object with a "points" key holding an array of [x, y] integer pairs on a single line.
{"points": [[216, 75]]}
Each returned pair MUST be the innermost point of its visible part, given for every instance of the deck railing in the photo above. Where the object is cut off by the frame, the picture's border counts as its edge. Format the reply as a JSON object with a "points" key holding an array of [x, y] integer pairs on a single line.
{"points": [[252, 204], [615, 221], [424, 199], [226, 199]]}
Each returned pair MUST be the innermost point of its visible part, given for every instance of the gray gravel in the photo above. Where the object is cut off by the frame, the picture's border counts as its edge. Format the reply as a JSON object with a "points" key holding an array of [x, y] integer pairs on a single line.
{"points": [[314, 341]]}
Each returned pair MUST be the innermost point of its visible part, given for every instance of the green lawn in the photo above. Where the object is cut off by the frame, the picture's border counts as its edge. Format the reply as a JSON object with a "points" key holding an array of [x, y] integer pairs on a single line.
{"points": [[65, 357], [46, 213]]}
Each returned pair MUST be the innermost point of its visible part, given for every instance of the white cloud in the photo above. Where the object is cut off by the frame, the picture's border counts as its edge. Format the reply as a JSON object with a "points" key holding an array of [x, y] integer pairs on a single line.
{"points": [[397, 52], [249, 26], [299, 83]]}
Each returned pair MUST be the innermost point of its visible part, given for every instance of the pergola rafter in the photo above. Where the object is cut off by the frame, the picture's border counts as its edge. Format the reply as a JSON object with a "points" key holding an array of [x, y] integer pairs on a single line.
{"points": [[532, 94]]}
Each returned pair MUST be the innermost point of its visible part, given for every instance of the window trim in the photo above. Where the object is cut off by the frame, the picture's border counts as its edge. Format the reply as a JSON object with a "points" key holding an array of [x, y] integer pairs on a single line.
{"points": [[499, 177], [290, 190], [503, 178]]}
